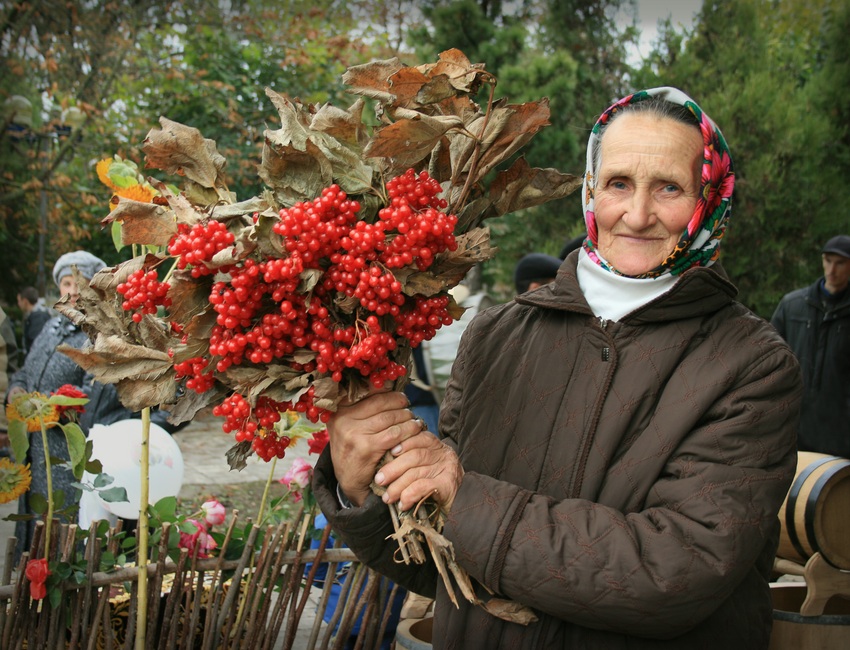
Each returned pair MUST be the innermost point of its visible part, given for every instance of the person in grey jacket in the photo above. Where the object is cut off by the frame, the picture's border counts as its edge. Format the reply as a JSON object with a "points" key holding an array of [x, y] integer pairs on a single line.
{"points": [[616, 444], [45, 370], [815, 321]]}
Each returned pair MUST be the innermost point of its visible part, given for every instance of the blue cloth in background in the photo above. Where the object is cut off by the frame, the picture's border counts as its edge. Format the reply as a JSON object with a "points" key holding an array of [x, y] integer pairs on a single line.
{"points": [[342, 571]]}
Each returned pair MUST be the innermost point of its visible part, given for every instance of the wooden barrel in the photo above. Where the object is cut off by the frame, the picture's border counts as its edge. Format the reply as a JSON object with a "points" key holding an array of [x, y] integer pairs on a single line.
{"points": [[793, 631], [816, 514]]}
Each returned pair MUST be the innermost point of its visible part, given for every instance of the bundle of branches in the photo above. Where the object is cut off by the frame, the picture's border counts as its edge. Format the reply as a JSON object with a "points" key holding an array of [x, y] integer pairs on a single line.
{"points": [[315, 290]]}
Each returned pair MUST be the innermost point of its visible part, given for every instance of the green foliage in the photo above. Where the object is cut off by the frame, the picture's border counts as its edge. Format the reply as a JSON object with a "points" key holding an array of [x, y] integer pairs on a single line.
{"points": [[125, 65], [770, 74]]}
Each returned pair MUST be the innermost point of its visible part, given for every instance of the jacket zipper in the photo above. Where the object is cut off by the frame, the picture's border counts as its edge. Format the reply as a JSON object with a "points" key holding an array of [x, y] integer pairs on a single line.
{"points": [[584, 452], [606, 351]]}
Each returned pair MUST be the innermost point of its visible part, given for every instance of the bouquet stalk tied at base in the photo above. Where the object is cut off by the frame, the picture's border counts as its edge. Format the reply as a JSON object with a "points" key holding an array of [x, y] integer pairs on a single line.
{"points": [[317, 289]]}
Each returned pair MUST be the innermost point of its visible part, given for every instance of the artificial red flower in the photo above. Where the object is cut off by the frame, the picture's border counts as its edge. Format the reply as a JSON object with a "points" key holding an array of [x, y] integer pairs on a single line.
{"points": [[37, 573], [199, 541], [318, 442], [68, 390]]}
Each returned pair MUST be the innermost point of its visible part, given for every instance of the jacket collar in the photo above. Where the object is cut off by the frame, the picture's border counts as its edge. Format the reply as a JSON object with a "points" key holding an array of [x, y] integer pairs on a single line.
{"points": [[699, 291]]}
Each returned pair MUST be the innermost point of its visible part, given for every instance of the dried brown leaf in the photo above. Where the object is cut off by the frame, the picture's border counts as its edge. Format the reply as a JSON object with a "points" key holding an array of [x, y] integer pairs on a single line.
{"points": [[143, 223], [189, 296], [136, 394], [190, 403], [182, 150], [112, 359], [344, 125], [371, 79], [522, 187], [405, 85], [408, 141], [237, 455], [508, 130], [454, 64], [473, 248]]}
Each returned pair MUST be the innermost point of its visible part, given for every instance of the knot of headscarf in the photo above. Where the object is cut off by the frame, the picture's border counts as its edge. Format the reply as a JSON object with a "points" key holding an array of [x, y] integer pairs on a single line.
{"points": [[699, 244]]}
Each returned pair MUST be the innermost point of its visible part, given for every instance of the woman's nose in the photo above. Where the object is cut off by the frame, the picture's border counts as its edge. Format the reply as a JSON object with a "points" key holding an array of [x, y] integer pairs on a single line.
{"points": [[641, 212]]}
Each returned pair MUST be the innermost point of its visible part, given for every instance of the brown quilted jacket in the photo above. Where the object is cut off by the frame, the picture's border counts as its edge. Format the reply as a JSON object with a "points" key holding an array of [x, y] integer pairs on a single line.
{"points": [[622, 479]]}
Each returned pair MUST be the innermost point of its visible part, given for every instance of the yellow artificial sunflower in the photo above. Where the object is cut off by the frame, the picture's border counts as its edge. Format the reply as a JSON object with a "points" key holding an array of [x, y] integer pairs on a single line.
{"points": [[31, 409], [15, 479], [142, 193], [103, 174]]}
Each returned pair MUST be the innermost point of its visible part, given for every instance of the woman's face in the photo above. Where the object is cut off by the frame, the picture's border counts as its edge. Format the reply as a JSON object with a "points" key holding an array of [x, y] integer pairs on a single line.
{"points": [[647, 188], [68, 287]]}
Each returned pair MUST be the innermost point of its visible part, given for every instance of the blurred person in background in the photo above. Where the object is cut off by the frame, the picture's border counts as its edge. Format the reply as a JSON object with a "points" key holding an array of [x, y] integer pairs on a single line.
{"points": [[815, 321], [34, 314]]}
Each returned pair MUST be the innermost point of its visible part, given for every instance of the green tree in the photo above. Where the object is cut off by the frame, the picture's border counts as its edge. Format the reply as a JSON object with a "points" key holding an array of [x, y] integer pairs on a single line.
{"points": [[123, 65], [764, 71]]}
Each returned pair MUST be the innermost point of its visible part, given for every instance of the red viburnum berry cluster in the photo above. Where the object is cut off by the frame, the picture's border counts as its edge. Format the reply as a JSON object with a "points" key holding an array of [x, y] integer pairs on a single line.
{"points": [[143, 293], [263, 314], [196, 245]]}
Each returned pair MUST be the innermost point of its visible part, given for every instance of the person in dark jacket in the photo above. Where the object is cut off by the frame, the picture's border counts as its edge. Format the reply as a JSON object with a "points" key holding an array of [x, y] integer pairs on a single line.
{"points": [[616, 445], [815, 321], [35, 316]]}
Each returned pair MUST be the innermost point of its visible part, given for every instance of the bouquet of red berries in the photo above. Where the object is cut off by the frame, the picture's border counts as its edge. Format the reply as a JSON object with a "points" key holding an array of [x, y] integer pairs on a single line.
{"points": [[317, 289]]}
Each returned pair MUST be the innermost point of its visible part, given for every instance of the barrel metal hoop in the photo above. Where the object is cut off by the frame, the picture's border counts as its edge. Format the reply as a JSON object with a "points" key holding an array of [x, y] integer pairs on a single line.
{"points": [[811, 503], [791, 506]]}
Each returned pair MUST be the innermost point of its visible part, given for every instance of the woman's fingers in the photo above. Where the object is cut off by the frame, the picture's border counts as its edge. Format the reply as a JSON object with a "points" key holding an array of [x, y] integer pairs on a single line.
{"points": [[423, 467], [362, 433]]}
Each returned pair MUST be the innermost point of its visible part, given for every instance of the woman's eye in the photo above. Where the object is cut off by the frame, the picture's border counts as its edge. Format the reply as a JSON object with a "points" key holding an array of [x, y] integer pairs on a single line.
{"points": [[617, 185], [670, 187]]}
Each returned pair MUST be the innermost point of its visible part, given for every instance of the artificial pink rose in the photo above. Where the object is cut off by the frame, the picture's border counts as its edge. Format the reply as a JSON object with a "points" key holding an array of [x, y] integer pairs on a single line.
{"points": [[37, 573], [214, 512], [200, 540], [299, 475]]}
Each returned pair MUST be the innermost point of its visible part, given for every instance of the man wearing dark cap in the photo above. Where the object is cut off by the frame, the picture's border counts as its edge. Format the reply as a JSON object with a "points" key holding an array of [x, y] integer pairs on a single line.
{"points": [[535, 270], [815, 321]]}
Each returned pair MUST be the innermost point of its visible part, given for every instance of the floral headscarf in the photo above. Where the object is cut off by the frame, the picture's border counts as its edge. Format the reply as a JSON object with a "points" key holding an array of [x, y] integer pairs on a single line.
{"points": [[700, 242]]}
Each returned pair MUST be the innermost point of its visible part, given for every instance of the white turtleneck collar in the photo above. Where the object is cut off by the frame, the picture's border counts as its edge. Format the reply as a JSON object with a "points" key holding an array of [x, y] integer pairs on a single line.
{"points": [[612, 296]]}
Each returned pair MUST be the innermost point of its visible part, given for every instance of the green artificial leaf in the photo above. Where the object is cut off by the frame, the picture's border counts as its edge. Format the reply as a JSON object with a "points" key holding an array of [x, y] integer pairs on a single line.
{"points": [[102, 480], [166, 508], [65, 400], [82, 486], [54, 596], [58, 499], [19, 439], [76, 447], [62, 570], [113, 495], [187, 527], [38, 503], [94, 466]]}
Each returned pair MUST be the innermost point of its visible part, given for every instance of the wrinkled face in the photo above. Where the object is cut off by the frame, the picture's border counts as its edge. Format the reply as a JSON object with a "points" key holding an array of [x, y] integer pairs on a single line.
{"points": [[68, 287], [836, 272], [646, 191]]}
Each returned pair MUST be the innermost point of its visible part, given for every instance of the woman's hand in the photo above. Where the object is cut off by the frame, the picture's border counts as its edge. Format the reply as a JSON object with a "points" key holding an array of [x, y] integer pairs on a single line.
{"points": [[13, 393], [423, 467], [360, 435]]}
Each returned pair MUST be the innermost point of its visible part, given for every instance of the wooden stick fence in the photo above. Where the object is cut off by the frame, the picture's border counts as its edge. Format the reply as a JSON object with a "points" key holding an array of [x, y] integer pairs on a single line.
{"points": [[254, 601]]}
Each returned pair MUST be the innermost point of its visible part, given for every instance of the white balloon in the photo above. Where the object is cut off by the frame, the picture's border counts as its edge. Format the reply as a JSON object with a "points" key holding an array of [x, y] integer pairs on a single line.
{"points": [[118, 447]]}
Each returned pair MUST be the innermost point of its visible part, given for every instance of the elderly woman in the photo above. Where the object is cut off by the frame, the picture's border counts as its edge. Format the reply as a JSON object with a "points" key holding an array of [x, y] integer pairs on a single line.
{"points": [[617, 444], [44, 371]]}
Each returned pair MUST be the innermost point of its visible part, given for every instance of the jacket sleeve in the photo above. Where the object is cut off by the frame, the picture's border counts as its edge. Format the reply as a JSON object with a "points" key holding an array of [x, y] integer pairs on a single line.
{"points": [[662, 569], [365, 530]]}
